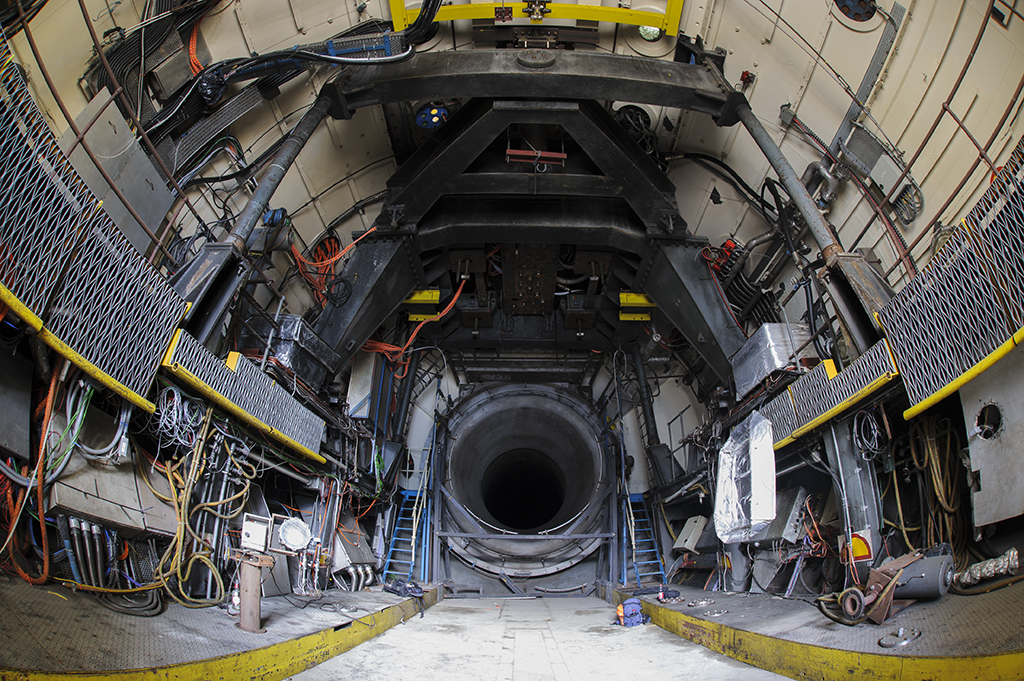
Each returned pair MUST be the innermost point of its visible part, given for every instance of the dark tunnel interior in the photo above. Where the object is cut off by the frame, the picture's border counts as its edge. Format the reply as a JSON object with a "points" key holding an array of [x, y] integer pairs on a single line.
{"points": [[523, 489]]}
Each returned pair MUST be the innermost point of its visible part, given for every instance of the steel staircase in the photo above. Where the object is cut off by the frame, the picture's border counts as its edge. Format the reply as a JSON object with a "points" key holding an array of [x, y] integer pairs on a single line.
{"points": [[401, 554], [647, 565]]}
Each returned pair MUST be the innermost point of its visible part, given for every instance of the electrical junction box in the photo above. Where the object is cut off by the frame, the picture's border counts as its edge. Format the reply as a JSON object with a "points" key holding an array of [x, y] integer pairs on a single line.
{"points": [[885, 173], [255, 533], [691, 533]]}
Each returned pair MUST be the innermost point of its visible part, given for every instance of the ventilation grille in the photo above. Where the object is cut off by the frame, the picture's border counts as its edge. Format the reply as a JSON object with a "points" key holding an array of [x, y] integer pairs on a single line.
{"points": [[246, 392], [65, 262], [970, 299]]}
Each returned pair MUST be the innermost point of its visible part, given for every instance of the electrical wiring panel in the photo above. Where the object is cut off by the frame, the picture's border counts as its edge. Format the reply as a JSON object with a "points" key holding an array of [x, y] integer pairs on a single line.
{"points": [[113, 495]]}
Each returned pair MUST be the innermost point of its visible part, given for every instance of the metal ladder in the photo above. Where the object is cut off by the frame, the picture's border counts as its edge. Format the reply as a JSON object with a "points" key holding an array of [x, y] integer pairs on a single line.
{"points": [[646, 554], [401, 558]]}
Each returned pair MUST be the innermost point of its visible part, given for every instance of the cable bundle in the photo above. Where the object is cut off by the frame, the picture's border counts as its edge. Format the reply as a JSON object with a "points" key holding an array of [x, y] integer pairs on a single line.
{"points": [[395, 353]]}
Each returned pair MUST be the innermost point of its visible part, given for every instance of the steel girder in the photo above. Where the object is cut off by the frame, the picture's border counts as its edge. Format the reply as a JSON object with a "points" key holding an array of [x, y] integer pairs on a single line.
{"points": [[450, 191], [676, 277], [539, 74], [382, 274], [438, 168]]}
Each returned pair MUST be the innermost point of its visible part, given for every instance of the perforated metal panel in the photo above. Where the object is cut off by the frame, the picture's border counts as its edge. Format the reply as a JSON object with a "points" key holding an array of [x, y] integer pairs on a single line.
{"points": [[970, 299], [816, 396], [64, 260], [240, 385], [782, 416]]}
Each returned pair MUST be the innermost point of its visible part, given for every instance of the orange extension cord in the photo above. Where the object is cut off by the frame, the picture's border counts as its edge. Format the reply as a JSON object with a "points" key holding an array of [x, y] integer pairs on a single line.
{"points": [[41, 473], [395, 353], [317, 272]]}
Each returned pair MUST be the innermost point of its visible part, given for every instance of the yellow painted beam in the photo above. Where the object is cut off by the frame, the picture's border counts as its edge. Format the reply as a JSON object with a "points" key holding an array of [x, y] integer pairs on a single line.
{"points": [[634, 317], [805, 661], [69, 353], [194, 382], [630, 299], [430, 296], [270, 663], [668, 22], [845, 404], [421, 317]]}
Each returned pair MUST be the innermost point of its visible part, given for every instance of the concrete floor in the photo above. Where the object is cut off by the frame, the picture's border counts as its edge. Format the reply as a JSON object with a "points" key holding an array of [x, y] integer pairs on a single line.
{"points": [[561, 639]]}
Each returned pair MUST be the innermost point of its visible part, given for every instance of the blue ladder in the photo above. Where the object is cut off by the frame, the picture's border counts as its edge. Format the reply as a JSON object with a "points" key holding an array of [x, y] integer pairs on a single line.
{"points": [[647, 562], [401, 560]]}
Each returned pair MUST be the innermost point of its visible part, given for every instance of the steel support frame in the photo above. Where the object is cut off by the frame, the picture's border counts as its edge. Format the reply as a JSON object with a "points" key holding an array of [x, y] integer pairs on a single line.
{"points": [[862, 508], [566, 75], [675, 278], [427, 196], [382, 274], [438, 168]]}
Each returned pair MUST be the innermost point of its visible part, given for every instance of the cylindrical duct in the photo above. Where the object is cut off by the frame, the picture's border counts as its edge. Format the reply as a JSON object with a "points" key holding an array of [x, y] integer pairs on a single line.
{"points": [[525, 460], [926, 578]]}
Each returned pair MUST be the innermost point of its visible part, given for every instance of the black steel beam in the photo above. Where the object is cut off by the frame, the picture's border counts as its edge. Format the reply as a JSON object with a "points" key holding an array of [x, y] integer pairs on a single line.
{"points": [[677, 279], [439, 167], [382, 274], [588, 221], [541, 74]]}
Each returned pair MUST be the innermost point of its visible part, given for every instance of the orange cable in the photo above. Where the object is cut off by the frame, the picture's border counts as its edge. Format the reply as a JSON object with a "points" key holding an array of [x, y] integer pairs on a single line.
{"points": [[193, 59], [393, 352], [374, 501], [44, 576], [337, 257]]}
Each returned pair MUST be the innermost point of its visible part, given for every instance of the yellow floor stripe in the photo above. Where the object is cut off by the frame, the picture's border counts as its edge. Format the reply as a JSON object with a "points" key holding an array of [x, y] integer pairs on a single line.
{"points": [[805, 661], [271, 663]]}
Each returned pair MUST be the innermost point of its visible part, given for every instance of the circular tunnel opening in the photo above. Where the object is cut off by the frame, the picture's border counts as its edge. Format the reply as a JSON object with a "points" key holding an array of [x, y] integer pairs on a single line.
{"points": [[523, 489], [524, 459]]}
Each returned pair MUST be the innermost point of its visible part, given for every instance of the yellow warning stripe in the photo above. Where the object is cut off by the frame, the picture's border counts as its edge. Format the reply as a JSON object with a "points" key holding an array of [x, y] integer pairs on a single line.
{"points": [[805, 661], [277, 661]]}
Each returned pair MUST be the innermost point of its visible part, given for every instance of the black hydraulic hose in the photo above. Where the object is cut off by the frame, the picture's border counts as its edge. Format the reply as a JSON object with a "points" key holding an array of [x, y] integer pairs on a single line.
{"points": [[98, 554], [90, 561], [419, 30], [149, 604]]}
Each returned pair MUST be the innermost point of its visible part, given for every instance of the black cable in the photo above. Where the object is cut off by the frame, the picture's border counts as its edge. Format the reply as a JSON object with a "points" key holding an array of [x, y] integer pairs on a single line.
{"points": [[150, 605], [249, 170], [10, 20], [339, 290]]}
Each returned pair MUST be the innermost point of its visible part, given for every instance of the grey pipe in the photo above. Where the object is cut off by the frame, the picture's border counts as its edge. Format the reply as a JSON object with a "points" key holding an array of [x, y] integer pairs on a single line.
{"points": [[83, 550], [797, 191], [307, 481], [758, 240], [283, 160], [817, 168], [351, 578], [646, 402]]}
